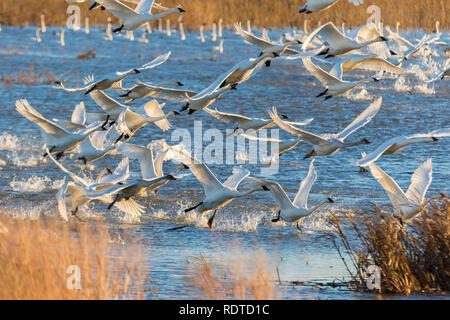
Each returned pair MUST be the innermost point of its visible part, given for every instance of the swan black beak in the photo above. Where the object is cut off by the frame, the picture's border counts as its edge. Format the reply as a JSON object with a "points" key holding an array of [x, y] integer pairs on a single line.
{"points": [[435, 139], [181, 10], [330, 200], [265, 188]]}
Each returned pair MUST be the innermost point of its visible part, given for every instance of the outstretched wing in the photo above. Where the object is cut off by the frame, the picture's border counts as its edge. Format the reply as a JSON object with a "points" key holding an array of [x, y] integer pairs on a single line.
{"points": [[239, 174], [301, 199], [420, 181]]}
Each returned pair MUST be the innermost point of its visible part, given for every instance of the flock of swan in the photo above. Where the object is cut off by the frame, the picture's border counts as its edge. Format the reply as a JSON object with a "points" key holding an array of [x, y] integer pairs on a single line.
{"points": [[91, 136]]}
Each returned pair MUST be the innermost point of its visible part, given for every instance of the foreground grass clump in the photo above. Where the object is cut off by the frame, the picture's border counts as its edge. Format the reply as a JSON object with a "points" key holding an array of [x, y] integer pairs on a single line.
{"points": [[413, 258], [240, 277], [37, 261], [412, 14]]}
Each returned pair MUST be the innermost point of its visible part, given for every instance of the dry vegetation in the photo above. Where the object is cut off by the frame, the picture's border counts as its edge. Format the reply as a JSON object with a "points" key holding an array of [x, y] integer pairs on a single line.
{"points": [[35, 255], [28, 77], [241, 277], [411, 259], [282, 13]]}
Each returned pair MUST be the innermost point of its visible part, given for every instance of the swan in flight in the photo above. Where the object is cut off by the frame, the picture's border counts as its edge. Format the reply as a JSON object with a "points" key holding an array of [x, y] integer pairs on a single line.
{"points": [[143, 90], [204, 99], [333, 85], [77, 121], [129, 122], [58, 139], [72, 193], [111, 109], [399, 143], [134, 19], [266, 47], [336, 42], [245, 123], [115, 79], [295, 211], [328, 144], [411, 203], [152, 177], [441, 75], [319, 5], [366, 62], [217, 194]]}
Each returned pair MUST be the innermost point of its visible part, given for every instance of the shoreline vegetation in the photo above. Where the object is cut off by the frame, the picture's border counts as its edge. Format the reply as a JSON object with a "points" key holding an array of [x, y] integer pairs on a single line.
{"points": [[411, 14]]}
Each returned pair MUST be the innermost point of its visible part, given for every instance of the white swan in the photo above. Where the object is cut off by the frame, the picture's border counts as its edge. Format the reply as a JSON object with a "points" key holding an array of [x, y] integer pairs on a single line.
{"points": [[328, 144], [399, 143], [441, 75], [319, 5], [116, 78], [37, 38], [295, 211], [333, 85], [143, 90], [110, 107], [77, 121], [57, 139], [152, 177], [266, 47], [366, 62], [411, 203], [72, 194], [129, 122], [217, 194], [134, 19], [336, 42], [245, 123]]}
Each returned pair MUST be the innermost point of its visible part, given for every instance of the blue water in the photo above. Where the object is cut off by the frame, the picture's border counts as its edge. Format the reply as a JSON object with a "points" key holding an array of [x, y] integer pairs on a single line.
{"points": [[28, 183]]}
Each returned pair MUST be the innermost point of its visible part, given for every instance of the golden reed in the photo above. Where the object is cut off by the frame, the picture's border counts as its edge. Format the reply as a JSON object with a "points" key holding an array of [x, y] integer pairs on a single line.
{"points": [[414, 258], [411, 14], [36, 259]]}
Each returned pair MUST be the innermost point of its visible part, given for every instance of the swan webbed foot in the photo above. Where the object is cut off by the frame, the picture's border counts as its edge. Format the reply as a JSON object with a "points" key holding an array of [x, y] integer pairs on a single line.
{"points": [[59, 155], [211, 220], [298, 227], [119, 138], [268, 63], [363, 170], [278, 217], [119, 29]]}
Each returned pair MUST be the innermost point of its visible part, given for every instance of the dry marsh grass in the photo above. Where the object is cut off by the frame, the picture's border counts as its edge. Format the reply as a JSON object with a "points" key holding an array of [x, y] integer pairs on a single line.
{"points": [[411, 14], [240, 277], [30, 76], [411, 259], [35, 257]]}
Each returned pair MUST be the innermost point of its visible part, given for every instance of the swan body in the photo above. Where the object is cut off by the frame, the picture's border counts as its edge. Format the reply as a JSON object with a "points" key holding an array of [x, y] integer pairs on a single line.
{"points": [[114, 79], [331, 143], [333, 85], [336, 42], [319, 5], [142, 90]]}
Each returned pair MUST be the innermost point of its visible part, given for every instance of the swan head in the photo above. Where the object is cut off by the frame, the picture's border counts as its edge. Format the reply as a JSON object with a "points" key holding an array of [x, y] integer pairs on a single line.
{"points": [[435, 139], [375, 79], [275, 54], [170, 177], [330, 200], [181, 9], [136, 71], [365, 141], [284, 116], [381, 38]]}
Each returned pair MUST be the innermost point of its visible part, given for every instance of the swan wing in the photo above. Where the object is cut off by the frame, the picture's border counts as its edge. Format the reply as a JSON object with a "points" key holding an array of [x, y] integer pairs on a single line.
{"points": [[420, 181], [79, 114], [118, 9], [337, 69], [166, 93], [228, 117], [69, 173], [378, 152], [394, 192], [156, 62], [310, 137], [445, 132], [330, 34], [301, 199], [239, 174], [130, 206], [154, 110], [108, 104], [252, 39], [61, 200], [49, 127], [144, 6], [324, 77], [143, 155], [120, 174], [364, 118]]}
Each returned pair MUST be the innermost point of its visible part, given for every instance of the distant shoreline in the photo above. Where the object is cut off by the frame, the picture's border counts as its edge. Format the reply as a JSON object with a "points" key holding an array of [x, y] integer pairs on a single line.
{"points": [[411, 14]]}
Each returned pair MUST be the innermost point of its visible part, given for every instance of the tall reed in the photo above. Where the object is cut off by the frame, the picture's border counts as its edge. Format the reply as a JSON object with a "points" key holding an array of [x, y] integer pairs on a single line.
{"points": [[412, 258], [411, 14], [45, 259]]}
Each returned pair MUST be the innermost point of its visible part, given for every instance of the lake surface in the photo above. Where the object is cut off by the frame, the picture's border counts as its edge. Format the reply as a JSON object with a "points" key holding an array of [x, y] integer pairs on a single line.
{"points": [[28, 183]]}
